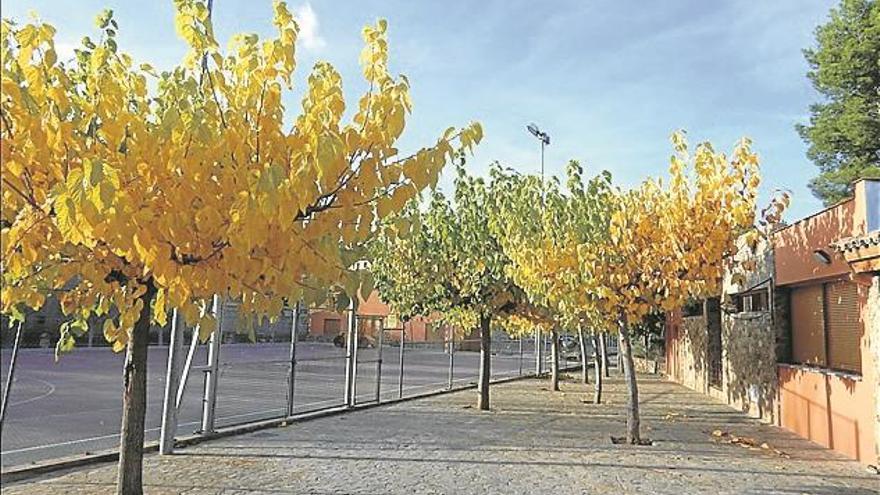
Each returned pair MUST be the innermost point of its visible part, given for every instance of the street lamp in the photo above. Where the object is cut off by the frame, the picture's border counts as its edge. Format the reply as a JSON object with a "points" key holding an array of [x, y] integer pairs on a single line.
{"points": [[545, 140]]}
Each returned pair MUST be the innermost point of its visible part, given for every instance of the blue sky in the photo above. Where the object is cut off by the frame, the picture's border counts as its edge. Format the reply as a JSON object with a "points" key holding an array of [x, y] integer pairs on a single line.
{"points": [[608, 80]]}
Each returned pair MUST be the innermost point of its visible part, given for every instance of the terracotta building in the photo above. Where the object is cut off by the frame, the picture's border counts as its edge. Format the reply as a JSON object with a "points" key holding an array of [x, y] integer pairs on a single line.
{"points": [[324, 324], [798, 344]]}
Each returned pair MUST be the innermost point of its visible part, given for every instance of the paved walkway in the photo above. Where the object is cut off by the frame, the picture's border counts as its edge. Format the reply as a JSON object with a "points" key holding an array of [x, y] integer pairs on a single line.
{"points": [[533, 442]]}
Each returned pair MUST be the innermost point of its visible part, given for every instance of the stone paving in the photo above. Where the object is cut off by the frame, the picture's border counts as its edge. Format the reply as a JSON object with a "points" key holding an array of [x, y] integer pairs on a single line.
{"points": [[533, 442]]}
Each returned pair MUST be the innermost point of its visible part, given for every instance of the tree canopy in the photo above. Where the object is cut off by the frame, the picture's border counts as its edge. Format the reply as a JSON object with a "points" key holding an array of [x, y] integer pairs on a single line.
{"points": [[126, 199], [446, 259], [844, 129], [609, 257], [199, 187]]}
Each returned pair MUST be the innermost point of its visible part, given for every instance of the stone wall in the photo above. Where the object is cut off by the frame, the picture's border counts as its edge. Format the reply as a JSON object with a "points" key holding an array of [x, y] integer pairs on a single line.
{"points": [[692, 353], [649, 366], [749, 361]]}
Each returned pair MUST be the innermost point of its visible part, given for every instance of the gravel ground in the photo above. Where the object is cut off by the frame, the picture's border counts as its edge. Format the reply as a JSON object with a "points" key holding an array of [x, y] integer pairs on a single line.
{"points": [[533, 442]]}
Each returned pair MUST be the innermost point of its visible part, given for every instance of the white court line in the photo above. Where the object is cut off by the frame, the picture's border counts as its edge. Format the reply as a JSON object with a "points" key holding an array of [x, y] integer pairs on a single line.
{"points": [[105, 437], [115, 435], [32, 399], [219, 418]]}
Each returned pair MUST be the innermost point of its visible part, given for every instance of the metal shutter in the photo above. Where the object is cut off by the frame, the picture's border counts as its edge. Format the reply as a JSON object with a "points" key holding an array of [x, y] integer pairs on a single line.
{"points": [[808, 325], [844, 329]]}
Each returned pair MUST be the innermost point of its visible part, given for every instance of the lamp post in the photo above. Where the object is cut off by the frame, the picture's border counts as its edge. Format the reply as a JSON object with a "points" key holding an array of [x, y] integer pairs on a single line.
{"points": [[545, 141], [544, 138]]}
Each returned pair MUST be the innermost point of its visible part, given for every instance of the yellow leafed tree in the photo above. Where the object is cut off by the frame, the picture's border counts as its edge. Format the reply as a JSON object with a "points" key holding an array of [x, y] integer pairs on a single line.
{"points": [[671, 241], [126, 198]]}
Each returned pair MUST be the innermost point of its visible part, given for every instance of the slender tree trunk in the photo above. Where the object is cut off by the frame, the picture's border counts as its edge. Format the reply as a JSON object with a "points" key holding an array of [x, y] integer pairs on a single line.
{"points": [[134, 402], [597, 388], [554, 357], [633, 435], [485, 362], [585, 368], [603, 350]]}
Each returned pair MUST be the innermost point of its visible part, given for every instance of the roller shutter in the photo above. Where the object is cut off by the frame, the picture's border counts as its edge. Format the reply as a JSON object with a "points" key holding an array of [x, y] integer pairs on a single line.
{"points": [[808, 325], [843, 326]]}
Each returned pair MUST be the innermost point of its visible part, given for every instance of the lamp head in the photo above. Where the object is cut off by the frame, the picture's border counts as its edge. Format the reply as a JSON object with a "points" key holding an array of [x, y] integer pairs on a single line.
{"points": [[534, 130], [543, 136]]}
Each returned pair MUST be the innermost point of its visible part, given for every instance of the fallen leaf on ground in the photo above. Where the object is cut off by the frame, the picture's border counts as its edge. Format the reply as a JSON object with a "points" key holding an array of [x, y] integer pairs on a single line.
{"points": [[673, 416], [746, 442]]}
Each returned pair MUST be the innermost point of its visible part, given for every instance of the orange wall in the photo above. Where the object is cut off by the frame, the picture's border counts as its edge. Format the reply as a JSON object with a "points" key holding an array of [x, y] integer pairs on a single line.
{"points": [[793, 246], [832, 409], [416, 329]]}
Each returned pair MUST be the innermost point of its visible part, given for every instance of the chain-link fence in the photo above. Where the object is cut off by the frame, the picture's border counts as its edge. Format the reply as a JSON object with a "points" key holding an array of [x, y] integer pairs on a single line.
{"points": [[73, 406]]}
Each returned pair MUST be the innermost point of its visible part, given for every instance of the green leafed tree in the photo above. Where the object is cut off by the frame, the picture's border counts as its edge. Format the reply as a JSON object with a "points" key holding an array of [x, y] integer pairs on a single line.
{"points": [[844, 129], [444, 260], [545, 231]]}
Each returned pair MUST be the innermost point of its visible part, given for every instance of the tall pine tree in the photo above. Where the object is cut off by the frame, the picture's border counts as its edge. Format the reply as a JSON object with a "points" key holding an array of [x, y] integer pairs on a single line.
{"points": [[844, 129]]}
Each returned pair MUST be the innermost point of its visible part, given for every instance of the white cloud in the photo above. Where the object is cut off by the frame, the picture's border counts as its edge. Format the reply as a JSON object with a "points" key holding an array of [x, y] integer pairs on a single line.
{"points": [[64, 50], [308, 27]]}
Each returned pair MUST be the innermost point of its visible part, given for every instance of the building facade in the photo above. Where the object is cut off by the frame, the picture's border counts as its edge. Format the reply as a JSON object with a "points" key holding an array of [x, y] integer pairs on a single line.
{"points": [[796, 342], [325, 324]]}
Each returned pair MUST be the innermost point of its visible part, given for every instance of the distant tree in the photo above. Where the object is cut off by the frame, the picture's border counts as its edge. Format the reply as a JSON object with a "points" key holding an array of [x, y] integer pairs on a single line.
{"points": [[844, 129], [542, 229], [444, 259]]}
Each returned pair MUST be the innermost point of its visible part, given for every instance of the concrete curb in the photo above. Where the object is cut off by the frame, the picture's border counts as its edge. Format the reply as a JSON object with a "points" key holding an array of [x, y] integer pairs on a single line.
{"points": [[58, 466]]}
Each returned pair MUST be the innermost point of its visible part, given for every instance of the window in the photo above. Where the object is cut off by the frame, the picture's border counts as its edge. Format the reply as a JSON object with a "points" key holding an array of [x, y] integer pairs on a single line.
{"points": [[751, 301], [825, 329], [759, 301], [692, 308]]}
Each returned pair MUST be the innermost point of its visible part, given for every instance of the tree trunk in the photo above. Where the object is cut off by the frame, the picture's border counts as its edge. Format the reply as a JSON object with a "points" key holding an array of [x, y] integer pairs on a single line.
{"points": [[633, 435], [134, 401], [604, 355], [554, 357], [585, 368], [597, 394], [485, 362]]}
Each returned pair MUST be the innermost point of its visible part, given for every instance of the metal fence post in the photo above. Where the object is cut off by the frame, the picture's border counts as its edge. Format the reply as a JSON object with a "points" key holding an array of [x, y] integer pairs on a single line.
{"points": [[400, 373], [209, 403], [379, 342], [520, 354], [354, 378], [4, 404], [544, 348], [350, 364], [172, 383], [291, 375], [451, 357], [539, 353]]}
